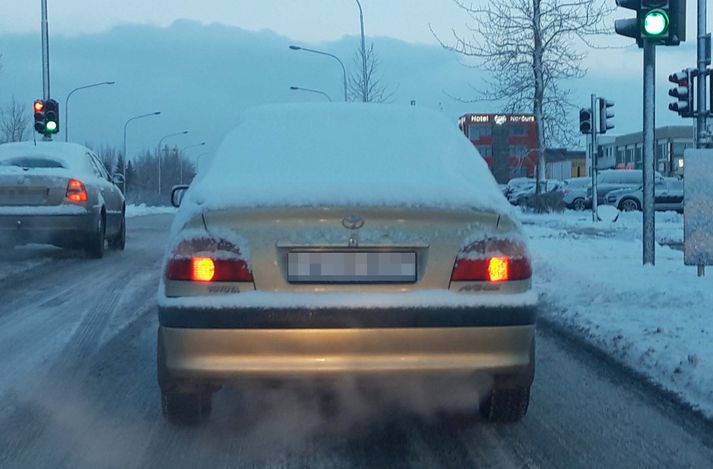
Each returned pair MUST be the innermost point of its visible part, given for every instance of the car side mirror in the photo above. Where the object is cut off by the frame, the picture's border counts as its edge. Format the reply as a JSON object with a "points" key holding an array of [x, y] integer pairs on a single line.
{"points": [[117, 178], [177, 194]]}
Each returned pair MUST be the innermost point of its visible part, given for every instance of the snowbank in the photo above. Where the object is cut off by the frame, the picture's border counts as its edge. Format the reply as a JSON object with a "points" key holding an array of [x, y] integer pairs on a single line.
{"points": [[655, 319], [345, 155], [141, 210]]}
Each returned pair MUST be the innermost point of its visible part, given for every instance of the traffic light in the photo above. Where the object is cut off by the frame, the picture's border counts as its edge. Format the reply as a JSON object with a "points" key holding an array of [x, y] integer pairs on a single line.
{"points": [[655, 21], [630, 27], [663, 21], [605, 114], [51, 117], [585, 120], [683, 92], [39, 109]]}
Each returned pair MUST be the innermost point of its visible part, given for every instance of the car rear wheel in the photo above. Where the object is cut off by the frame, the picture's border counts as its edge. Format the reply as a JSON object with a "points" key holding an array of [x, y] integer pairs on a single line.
{"points": [[506, 405], [629, 205], [95, 243], [119, 242], [186, 407], [578, 204]]}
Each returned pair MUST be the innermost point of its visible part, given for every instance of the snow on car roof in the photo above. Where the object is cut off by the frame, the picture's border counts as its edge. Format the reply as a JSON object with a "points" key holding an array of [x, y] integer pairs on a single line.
{"points": [[66, 153], [351, 154]]}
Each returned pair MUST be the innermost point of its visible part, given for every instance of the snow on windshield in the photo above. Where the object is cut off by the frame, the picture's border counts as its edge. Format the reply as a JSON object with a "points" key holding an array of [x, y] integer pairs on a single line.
{"points": [[346, 155], [43, 157]]}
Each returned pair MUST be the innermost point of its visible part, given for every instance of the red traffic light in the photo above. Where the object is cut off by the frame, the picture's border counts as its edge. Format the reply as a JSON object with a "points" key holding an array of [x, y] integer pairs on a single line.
{"points": [[39, 106]]}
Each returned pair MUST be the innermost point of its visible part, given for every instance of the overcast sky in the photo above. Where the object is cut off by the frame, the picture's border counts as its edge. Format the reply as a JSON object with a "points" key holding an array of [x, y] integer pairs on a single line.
{"points": [[130, 41]]}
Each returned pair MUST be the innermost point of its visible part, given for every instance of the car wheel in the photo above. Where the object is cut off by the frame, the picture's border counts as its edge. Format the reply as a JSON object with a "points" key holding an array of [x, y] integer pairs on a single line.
{"points": [[629, 205], [578, 204], [185, 407], [119, 242], [506, 405], [95, 244]]}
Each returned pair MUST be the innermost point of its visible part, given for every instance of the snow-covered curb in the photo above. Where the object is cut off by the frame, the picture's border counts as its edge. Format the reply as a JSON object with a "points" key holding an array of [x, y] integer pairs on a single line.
{"points": [[142, 210], [657, 320]]}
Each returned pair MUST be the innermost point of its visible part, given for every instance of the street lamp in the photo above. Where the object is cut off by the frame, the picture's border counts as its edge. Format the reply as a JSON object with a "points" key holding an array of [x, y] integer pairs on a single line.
{"points": [[310, 90], [159, 154], [363, 53], [180, 158], [344, 70], [66, 104], [126, 158]]}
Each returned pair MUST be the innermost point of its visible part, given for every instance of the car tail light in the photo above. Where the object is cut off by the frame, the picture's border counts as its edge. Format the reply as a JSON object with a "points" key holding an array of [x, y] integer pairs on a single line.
{"points": [[492, 261], [76, 192], [207, 260]]}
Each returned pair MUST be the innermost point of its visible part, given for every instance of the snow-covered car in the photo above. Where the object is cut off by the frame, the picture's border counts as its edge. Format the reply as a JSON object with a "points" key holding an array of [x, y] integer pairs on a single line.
{"points": [[517, 185], [522, 196], [613, 179], [301, 256], [668, 195], [574, 193], [59, 193]]}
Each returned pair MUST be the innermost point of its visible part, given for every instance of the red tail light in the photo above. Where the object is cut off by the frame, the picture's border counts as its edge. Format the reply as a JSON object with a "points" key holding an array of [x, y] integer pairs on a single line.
{"points": [[76, 191], [207, 260], [492, 261]]}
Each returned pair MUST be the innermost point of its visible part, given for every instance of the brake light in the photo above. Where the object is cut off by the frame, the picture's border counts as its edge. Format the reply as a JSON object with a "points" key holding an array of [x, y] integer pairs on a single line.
{"points": [[492, 261], [76, 192], [207, 260], [203, 269]]}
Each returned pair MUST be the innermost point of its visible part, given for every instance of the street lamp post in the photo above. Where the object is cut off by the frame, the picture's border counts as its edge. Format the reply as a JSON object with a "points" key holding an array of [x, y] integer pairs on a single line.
{"points": [[310, 90], [363, 53], [126, 158], [180, 158], [344, 70], [66, 104], [159, 154]]}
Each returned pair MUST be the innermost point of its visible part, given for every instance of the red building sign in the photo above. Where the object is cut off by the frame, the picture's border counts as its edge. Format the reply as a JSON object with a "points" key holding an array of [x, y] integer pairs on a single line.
{"points": [[507, 142]]}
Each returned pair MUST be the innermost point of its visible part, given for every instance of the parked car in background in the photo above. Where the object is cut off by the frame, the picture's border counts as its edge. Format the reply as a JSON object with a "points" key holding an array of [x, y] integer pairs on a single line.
{"points": [[612, 179], [521, 196], [396, 255], [59, 193], [668, 195], [517, 185], [574, 192]]}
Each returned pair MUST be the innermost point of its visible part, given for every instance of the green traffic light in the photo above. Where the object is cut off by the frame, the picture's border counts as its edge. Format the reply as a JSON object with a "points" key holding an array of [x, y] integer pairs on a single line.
{"points": [[656, 23], [51, 127]]}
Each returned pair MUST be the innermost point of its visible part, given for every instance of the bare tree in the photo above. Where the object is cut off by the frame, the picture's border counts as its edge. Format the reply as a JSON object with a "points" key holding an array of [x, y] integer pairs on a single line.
{"points": [[531, 47], [375, 90], [14, 122]]}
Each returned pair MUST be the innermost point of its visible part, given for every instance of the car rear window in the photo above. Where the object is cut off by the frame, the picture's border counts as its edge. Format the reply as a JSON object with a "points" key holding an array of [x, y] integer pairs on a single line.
{"points": [[33, 162]]}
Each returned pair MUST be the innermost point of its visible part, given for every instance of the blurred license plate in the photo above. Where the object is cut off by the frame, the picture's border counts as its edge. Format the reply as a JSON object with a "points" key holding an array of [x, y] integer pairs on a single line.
{"points": [[351, 267]]}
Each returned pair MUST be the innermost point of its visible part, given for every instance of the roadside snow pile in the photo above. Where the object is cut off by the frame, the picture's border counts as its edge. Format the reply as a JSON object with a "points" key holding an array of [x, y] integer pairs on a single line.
{"points": [[346, 155], [658, 320], [141, 210]]}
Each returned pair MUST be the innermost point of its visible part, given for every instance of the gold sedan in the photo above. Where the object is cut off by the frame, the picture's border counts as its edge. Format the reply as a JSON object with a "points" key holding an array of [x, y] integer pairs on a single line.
{"points": [[302, 251]]}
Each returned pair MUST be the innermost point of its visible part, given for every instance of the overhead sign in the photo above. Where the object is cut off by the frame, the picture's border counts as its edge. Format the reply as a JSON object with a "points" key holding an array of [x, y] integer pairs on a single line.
{"points": [[698, 207]]}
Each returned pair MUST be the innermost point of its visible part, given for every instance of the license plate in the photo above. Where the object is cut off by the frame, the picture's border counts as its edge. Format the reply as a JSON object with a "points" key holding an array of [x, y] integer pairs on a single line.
{"points": [[351, 267], [22, 196]]}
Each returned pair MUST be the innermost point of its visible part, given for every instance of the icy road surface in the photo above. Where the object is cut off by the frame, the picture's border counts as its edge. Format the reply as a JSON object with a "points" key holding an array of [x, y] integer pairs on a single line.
{"points": [[78, 390]]}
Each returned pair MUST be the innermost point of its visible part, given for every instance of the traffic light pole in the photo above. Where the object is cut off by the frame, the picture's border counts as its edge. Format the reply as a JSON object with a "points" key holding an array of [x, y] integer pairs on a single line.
{"points": [[702, 137], [649, 147], [593, 156], [45, 59]]}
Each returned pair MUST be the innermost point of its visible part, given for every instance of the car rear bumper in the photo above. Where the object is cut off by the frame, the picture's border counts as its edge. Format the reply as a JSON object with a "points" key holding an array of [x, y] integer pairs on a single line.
{"points": [[53, 229], [329, 344]]}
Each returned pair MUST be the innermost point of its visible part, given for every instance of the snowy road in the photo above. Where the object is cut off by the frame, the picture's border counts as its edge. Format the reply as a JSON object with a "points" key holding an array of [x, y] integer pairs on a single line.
{"points": [[77, 389]]}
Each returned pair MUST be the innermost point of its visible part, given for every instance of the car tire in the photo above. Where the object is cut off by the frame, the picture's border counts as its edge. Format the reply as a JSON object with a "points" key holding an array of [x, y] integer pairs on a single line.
{"points": [[629, 205], [95, 244], [186, 407], [119, 242], [579, 204], [506, 405]]}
